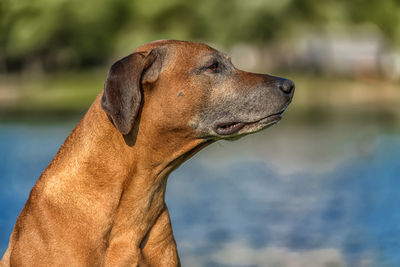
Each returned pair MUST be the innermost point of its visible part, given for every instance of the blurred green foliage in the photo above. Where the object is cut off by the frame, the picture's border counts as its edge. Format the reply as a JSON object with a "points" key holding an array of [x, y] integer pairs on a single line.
{"points": [[69, 34]]}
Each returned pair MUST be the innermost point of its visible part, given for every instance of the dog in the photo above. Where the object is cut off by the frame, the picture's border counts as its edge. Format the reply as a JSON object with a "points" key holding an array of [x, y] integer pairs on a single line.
{"points": [[100, 202]]}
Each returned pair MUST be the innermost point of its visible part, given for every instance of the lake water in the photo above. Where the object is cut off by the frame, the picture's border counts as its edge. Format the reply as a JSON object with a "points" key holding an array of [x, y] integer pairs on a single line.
{"points": [[293, 195]]}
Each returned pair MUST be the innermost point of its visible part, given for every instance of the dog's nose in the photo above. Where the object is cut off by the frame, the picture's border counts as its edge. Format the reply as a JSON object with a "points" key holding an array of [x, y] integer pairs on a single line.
{"points": [[286, 86]]}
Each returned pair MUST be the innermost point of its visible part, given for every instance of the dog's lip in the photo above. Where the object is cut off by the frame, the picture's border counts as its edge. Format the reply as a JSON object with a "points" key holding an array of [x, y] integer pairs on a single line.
{"points": [[229, 128]]}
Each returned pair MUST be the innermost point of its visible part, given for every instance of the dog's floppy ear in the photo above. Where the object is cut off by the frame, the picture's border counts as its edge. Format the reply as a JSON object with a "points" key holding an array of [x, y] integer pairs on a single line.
{"points": [[122, 95]]}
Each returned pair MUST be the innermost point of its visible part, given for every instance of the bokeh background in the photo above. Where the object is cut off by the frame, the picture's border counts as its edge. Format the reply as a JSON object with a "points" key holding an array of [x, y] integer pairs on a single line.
{"points": [[319, 189]]}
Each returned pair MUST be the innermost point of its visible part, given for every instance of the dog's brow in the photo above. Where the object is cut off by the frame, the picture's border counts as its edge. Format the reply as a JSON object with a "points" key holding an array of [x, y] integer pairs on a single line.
{"points": [[208, 59], [215, 56]]}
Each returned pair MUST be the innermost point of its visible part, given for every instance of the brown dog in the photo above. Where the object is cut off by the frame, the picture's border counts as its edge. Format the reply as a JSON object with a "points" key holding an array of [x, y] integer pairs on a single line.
{"points": [[100, 202]]}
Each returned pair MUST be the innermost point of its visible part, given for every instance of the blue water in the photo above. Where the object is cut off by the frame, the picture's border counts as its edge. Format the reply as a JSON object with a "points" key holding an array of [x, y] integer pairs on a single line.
{"points": [[253, 209]]}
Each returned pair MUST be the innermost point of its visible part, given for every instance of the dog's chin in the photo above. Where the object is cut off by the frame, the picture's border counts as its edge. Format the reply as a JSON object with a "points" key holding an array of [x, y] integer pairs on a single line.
{"points": [[234, 130]]}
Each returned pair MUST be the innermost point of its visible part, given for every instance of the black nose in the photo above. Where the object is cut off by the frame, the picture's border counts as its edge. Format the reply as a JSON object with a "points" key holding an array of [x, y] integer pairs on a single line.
{"points": [[286, 86]]}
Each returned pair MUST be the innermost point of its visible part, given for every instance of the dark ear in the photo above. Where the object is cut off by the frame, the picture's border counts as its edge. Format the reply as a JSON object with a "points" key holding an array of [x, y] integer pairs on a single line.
{"points": [[122, 95]]}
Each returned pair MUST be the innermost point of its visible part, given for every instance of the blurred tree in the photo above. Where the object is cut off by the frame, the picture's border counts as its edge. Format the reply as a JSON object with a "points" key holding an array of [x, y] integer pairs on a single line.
{"points": [[64, 33], [59, 34]]}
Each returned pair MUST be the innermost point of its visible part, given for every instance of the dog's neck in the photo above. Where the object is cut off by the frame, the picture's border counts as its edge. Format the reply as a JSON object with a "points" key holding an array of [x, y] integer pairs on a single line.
{"points": [[118, 187]]}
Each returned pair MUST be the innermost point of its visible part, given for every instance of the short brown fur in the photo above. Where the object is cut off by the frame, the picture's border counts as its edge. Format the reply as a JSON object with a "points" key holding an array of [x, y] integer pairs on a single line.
{"points": [[100, 202]]}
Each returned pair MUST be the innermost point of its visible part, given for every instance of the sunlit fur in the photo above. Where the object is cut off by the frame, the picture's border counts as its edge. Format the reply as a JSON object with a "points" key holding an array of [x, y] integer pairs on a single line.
{"points": [[100, 202]]}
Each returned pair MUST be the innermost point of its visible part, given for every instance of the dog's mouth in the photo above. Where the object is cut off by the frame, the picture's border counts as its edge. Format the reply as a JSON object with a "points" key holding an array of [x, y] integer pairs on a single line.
{"points": [[234, 127]]}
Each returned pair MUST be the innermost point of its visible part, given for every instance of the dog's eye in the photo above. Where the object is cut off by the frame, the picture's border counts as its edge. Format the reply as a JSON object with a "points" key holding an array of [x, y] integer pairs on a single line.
{"points": [[213, 67]]}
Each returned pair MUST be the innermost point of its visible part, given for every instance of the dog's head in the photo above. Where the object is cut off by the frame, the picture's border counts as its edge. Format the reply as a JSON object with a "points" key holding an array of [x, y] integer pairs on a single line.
{"points": [[191, 88]]}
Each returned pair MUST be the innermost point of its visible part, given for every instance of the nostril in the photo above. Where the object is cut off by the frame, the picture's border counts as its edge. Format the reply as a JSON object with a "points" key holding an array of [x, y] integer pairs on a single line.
{"points": [[286, 86]]}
